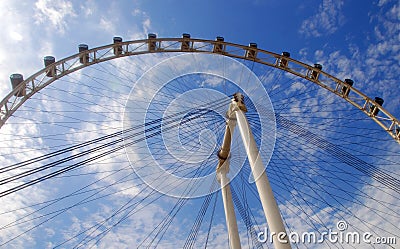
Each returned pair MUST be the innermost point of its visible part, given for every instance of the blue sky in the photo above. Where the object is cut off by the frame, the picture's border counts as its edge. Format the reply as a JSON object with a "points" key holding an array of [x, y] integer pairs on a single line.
{"points": [[351, 39], [348, 30]]}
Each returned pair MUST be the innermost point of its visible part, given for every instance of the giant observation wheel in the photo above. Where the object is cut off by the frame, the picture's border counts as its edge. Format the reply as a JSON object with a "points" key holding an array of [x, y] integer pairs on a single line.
{"points": [[66, 179]]}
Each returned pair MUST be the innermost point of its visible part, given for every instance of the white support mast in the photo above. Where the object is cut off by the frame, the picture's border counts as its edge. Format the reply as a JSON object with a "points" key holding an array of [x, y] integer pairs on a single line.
{"points": [[277, 229], [222, 171], [270, 207]]}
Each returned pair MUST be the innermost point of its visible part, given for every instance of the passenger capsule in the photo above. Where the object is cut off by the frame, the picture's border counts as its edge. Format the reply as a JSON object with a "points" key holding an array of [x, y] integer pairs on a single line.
{"points": [[218, 47], [345, 89], [315, 72], [151, 42], [252, 51], [373, 109], [85, 57], [48, 60], [117, 47], [16, 79], [185, 42], [284, 62]]}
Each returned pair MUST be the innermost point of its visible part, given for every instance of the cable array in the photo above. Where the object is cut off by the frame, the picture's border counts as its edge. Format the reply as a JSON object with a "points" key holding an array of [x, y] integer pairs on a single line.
{"points": [[324, 167]]}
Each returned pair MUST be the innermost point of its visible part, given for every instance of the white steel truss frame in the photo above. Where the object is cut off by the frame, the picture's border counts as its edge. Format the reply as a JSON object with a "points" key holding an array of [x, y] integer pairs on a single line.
{"points": [[39, 80]]}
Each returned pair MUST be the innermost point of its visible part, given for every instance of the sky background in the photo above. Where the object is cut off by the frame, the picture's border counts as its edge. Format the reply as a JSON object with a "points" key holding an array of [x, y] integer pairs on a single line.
{"points": [[352, 39]]}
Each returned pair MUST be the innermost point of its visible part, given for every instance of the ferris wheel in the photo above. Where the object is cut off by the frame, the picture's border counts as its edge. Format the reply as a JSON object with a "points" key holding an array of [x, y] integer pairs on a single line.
{"points": [[133, 144]]}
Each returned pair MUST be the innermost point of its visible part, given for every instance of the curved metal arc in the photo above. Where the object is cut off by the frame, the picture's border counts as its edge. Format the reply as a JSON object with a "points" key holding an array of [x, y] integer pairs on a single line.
{"points": [[39, 80]]}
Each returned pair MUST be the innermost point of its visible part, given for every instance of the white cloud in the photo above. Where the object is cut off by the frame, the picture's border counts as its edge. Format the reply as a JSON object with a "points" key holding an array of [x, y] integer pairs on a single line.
{"points": [[136, 12], [89, 8], [16, 36], [58, 12], [15, 27], [328, 19], [107, 25], [15, 207], [375, 70], [139, 32], [146, 25], [21, 29], [382, 2]]}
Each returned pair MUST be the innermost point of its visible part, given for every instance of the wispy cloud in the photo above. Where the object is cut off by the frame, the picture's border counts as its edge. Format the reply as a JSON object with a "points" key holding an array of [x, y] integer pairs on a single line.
{"points": [[57, 12], [365, 66], [374, 67], [14, 207], [326, 21]]}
